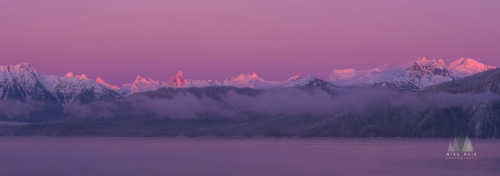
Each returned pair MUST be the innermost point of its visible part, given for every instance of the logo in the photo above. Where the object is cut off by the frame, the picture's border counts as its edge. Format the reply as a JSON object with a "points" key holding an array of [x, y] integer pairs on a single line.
{"points": [[461, 149]]}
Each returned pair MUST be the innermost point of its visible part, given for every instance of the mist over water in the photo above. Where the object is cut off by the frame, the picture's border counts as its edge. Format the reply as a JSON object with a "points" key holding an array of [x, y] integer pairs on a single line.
{"points": [[227, 156]]}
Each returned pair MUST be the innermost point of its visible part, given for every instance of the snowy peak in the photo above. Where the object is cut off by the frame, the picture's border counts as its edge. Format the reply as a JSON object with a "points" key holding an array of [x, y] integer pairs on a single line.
{"points": [[102, 82], [22, 75], [23, 69], [420, 73], [244, 77], [423, 62], [98, 80], [71, 75], [140, 80], [254, 76], [423, 73], [253, 81], [24, 83], [250, 81], [177, 80], [468, 66], [140, 84], [293, 78], [424, 65], [295, 81], [470, 63], [426, 62], [342, 74], [70, 89], [20, 81]]}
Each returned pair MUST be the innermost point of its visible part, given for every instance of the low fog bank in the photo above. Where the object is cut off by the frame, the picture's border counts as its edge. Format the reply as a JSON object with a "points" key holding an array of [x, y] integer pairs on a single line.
{"points": [[32, 111], [287, 102], [293, 112]]}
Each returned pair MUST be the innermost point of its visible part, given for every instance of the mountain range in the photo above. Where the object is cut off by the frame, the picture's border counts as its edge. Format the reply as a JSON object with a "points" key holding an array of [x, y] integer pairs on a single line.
{"points": [[423, 98], [413, 75], [22, 82]]}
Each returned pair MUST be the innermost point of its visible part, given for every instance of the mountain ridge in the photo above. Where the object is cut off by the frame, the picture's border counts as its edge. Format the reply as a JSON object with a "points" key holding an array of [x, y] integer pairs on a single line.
{"points": [[418, 74]]}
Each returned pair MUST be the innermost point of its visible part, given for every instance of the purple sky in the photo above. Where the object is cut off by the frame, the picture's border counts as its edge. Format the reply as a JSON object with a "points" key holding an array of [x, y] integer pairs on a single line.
{"points": [[120, 39]]}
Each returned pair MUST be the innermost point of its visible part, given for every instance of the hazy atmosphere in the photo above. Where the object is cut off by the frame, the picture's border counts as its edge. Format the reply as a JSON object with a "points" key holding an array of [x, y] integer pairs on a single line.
{"points": [[119, 40], [260, 87]]}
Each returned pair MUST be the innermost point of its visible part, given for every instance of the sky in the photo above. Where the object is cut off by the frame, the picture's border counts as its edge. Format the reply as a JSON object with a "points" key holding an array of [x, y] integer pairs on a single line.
{"points": [[118, 40]]}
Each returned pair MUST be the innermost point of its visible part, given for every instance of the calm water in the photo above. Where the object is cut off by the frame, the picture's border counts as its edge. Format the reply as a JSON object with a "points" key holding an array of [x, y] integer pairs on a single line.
{"points": [[223, 156]]}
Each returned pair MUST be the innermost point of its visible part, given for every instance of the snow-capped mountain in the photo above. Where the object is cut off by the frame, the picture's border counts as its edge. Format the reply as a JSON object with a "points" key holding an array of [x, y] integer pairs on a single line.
{"points": [[293, 81], [414, 75], [466, 66], [178, 81], [26, 84], [248, 81], [72, 88], [22, 82], [102, 82], [140, 84]]}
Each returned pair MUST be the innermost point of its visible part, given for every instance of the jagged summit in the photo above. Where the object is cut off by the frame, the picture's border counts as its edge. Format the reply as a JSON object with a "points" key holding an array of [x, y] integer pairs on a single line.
{"points": [[426, 62], [293, 78], [243, 77], [177, 80], [467, 66], [20, 82], [469, 63], [141, 84], [98, 80], [295, 81], [418, 74], [251, 81], [102, 82], [254, 76], [71, 75], [24, 83], [141, 80], [18, 69]]}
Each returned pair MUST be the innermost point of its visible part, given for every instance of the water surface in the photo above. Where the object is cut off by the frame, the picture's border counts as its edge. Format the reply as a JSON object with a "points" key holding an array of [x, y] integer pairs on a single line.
{"points": [[240, 156]]}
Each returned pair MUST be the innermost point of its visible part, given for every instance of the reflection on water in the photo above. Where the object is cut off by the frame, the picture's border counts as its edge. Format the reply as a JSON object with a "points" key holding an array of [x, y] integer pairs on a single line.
{"points": [[227, 156]]}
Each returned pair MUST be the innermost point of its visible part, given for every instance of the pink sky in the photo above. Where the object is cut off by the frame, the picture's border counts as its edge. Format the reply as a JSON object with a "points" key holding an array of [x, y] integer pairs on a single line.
{"points": [[120, 39]]}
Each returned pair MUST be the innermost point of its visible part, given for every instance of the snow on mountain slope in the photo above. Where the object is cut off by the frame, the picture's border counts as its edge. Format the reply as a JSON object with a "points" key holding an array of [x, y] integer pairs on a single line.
{"points": [[248, 81], [177, 80], [20, 82], [423, 73], [418, 74], [372, 75], [22, 73], [68, 89], [82, 76], [467, 66], [140, 84], [23, 82], [102, 82], [241, 81], [293, 81]]}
